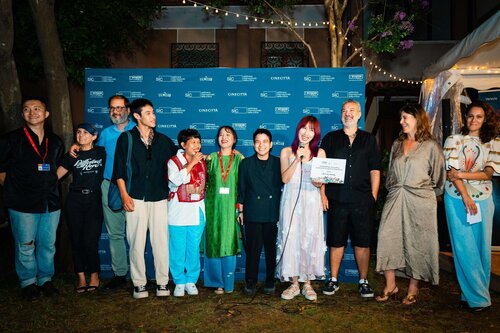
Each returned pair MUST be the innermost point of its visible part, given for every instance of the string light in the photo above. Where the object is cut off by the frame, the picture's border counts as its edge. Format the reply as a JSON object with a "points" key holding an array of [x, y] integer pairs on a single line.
{"points": [[366, 60]]}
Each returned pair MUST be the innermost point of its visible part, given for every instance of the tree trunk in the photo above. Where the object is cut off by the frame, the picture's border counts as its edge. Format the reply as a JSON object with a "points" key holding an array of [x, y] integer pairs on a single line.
{"points": [[59, 100], [54, 68], [10, 90], [335, 10]]}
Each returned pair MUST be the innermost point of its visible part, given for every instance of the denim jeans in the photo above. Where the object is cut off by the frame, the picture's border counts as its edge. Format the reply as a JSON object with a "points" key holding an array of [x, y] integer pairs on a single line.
{"points": [[34, 241]]}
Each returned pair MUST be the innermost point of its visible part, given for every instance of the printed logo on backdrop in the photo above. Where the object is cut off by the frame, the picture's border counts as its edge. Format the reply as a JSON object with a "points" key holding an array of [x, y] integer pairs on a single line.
{"points": [[135, 78], [347, 94], [96, 94], [319, 78], [241, 78], [281, 110], [164, 94], [203, 126], [275, 126], [245, 110], [205, 110], [169, 110], [237, 94], [356, 77], [274, 94], [317, 110], [239, 126], [311, 94], [169, 78], [206, 79], [101, 78], [98, 109], [131, 94], [199, 94]]}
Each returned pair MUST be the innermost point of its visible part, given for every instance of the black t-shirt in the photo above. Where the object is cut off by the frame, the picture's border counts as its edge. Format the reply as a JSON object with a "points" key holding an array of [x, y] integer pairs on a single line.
{"points": [[87, 168]]}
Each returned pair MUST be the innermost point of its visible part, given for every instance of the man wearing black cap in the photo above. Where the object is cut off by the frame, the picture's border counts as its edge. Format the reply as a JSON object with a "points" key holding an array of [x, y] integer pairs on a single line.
{"points": [[28, 161]]}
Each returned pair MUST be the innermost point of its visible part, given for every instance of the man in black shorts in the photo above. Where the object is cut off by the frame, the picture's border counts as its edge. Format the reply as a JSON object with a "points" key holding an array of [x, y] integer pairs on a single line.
{"points": [[350, 205]]}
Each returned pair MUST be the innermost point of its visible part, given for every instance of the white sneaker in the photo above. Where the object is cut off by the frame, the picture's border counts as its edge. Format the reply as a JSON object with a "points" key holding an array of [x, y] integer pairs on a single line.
{"points": [[191, 289], [162, 290], [179, 290], [140, 292]]}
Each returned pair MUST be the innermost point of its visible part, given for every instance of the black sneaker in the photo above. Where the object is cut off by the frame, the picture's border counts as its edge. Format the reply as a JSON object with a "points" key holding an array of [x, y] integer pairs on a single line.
{"points": [[365, 290], [31, 292], [250, 289], [269, 288], [48, 289], [116, 282], [330, 287]]}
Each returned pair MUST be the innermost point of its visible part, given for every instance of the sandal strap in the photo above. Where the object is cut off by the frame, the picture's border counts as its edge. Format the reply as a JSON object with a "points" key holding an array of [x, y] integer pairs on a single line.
{"points": [[292, 290]]}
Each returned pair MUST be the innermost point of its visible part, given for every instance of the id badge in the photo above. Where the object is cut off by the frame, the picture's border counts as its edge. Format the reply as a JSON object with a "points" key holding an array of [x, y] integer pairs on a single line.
{"points": [[43, 167], [195, 196], [224, 190]]}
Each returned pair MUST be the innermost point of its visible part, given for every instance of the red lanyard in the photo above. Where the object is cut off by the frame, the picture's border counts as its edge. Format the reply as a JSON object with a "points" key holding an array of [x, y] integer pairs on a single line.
{"points": [[226, 173], [34, 146]]}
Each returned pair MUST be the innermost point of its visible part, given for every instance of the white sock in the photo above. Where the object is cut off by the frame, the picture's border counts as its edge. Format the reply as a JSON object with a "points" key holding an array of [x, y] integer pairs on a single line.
{"points": [[363, 281]]}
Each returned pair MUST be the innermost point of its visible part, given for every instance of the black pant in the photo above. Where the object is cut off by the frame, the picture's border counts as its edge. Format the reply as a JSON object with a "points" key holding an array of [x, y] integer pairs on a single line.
{"points": [[256, 235], [84, 218]]}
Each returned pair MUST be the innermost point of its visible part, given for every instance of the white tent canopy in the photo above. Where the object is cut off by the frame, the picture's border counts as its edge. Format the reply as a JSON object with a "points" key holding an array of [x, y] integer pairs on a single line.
{"points": [[474, 62]]}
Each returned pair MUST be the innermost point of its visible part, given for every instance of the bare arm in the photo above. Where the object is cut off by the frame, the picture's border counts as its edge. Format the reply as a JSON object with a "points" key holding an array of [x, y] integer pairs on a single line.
{"points": [[470, 205], [2, 178], [375, 182], [61, 172], [128, 203], [287, 168], [486, 174]]}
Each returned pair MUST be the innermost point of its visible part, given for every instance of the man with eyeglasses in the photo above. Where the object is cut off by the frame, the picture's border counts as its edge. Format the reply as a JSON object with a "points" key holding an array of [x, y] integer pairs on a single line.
{"points": [[144, 195], [115, 221], [29, 157]]}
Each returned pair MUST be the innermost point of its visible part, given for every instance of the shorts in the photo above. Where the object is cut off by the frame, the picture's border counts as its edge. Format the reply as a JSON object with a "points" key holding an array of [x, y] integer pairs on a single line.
{"points": [[352, 220]]}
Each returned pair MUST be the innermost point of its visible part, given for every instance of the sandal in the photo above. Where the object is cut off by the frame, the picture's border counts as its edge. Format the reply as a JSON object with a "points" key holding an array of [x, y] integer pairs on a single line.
{"points": [[385, 296], [290, 292], [81, 289], [219, 291], [410, 299], [92, 288], [308, 292]]}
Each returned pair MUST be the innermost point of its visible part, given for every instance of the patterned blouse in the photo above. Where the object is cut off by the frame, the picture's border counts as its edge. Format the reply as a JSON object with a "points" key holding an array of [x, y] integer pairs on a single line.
{"points": [[466, 153]]}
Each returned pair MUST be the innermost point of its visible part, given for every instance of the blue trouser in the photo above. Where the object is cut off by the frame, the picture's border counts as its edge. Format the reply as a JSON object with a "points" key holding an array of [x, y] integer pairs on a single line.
{"points": [[471, 245], [219, 272], [184, 246], [34, 241]]}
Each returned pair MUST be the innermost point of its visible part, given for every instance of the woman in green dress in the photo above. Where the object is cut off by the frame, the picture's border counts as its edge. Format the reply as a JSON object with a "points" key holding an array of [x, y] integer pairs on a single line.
{"points": [[222, 241]]}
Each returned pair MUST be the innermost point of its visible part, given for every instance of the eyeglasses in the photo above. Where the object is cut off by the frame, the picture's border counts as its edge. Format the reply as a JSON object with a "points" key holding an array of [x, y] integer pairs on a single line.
{"points": [[117, 108]]}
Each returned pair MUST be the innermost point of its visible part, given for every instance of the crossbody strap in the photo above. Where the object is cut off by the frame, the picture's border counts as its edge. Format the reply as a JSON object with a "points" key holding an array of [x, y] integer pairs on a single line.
{"points": [[129, 166]]}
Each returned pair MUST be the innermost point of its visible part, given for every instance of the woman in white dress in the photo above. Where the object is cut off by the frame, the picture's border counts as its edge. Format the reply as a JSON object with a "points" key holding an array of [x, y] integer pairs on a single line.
{"points": [[301, 243]]}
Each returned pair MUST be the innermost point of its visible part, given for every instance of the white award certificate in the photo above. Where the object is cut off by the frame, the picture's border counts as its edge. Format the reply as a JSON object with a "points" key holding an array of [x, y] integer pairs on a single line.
{"points": [[328, 170]]}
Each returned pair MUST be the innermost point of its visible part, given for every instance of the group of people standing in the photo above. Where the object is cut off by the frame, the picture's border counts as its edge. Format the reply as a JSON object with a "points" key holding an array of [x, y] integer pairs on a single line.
{"points": [[223, 202]]}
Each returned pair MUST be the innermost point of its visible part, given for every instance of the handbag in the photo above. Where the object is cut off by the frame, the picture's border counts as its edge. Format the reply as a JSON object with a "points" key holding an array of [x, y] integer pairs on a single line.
{"points": [[114, 198]]}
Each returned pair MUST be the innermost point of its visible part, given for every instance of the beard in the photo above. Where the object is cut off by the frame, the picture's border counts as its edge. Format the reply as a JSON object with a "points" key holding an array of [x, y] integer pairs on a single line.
{"points": [[118, 121]]}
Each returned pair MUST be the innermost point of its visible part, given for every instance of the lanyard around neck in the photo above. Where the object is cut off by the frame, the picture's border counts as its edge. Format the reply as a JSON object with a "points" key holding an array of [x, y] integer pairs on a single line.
{"points": [[35, 148]]}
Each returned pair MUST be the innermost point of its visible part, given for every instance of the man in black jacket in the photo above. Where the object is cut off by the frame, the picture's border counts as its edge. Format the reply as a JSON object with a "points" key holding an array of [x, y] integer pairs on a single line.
{"points": [[259, 192]]}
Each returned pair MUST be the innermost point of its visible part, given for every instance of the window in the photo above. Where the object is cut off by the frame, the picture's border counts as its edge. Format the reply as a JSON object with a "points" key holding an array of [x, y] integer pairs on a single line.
{"points": [[194, 55], [284, 54]]}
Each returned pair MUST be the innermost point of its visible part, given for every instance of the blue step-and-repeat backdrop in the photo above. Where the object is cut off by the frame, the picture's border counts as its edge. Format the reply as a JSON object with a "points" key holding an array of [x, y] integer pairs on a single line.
{"points": [[244, 98]]}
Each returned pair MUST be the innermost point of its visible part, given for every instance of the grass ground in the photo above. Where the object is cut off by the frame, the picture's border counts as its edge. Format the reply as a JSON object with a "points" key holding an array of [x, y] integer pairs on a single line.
{"points": [[436, 311]]}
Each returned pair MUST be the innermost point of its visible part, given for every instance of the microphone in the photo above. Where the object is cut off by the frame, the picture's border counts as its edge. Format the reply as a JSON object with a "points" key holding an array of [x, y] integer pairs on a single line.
{"points": [[301, 145]]}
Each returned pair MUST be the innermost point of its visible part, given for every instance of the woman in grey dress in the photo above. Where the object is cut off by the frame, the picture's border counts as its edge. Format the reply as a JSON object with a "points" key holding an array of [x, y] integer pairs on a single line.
{"points": [[408, 238]]}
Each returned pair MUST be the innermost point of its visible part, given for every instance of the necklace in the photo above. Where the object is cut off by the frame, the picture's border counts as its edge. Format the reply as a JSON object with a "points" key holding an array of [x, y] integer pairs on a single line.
{"points": [[351, 136]]}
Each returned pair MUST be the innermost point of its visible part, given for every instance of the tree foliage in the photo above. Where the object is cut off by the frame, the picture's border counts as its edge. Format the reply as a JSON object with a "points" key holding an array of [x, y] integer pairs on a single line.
{"points": [[91, 32]]}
